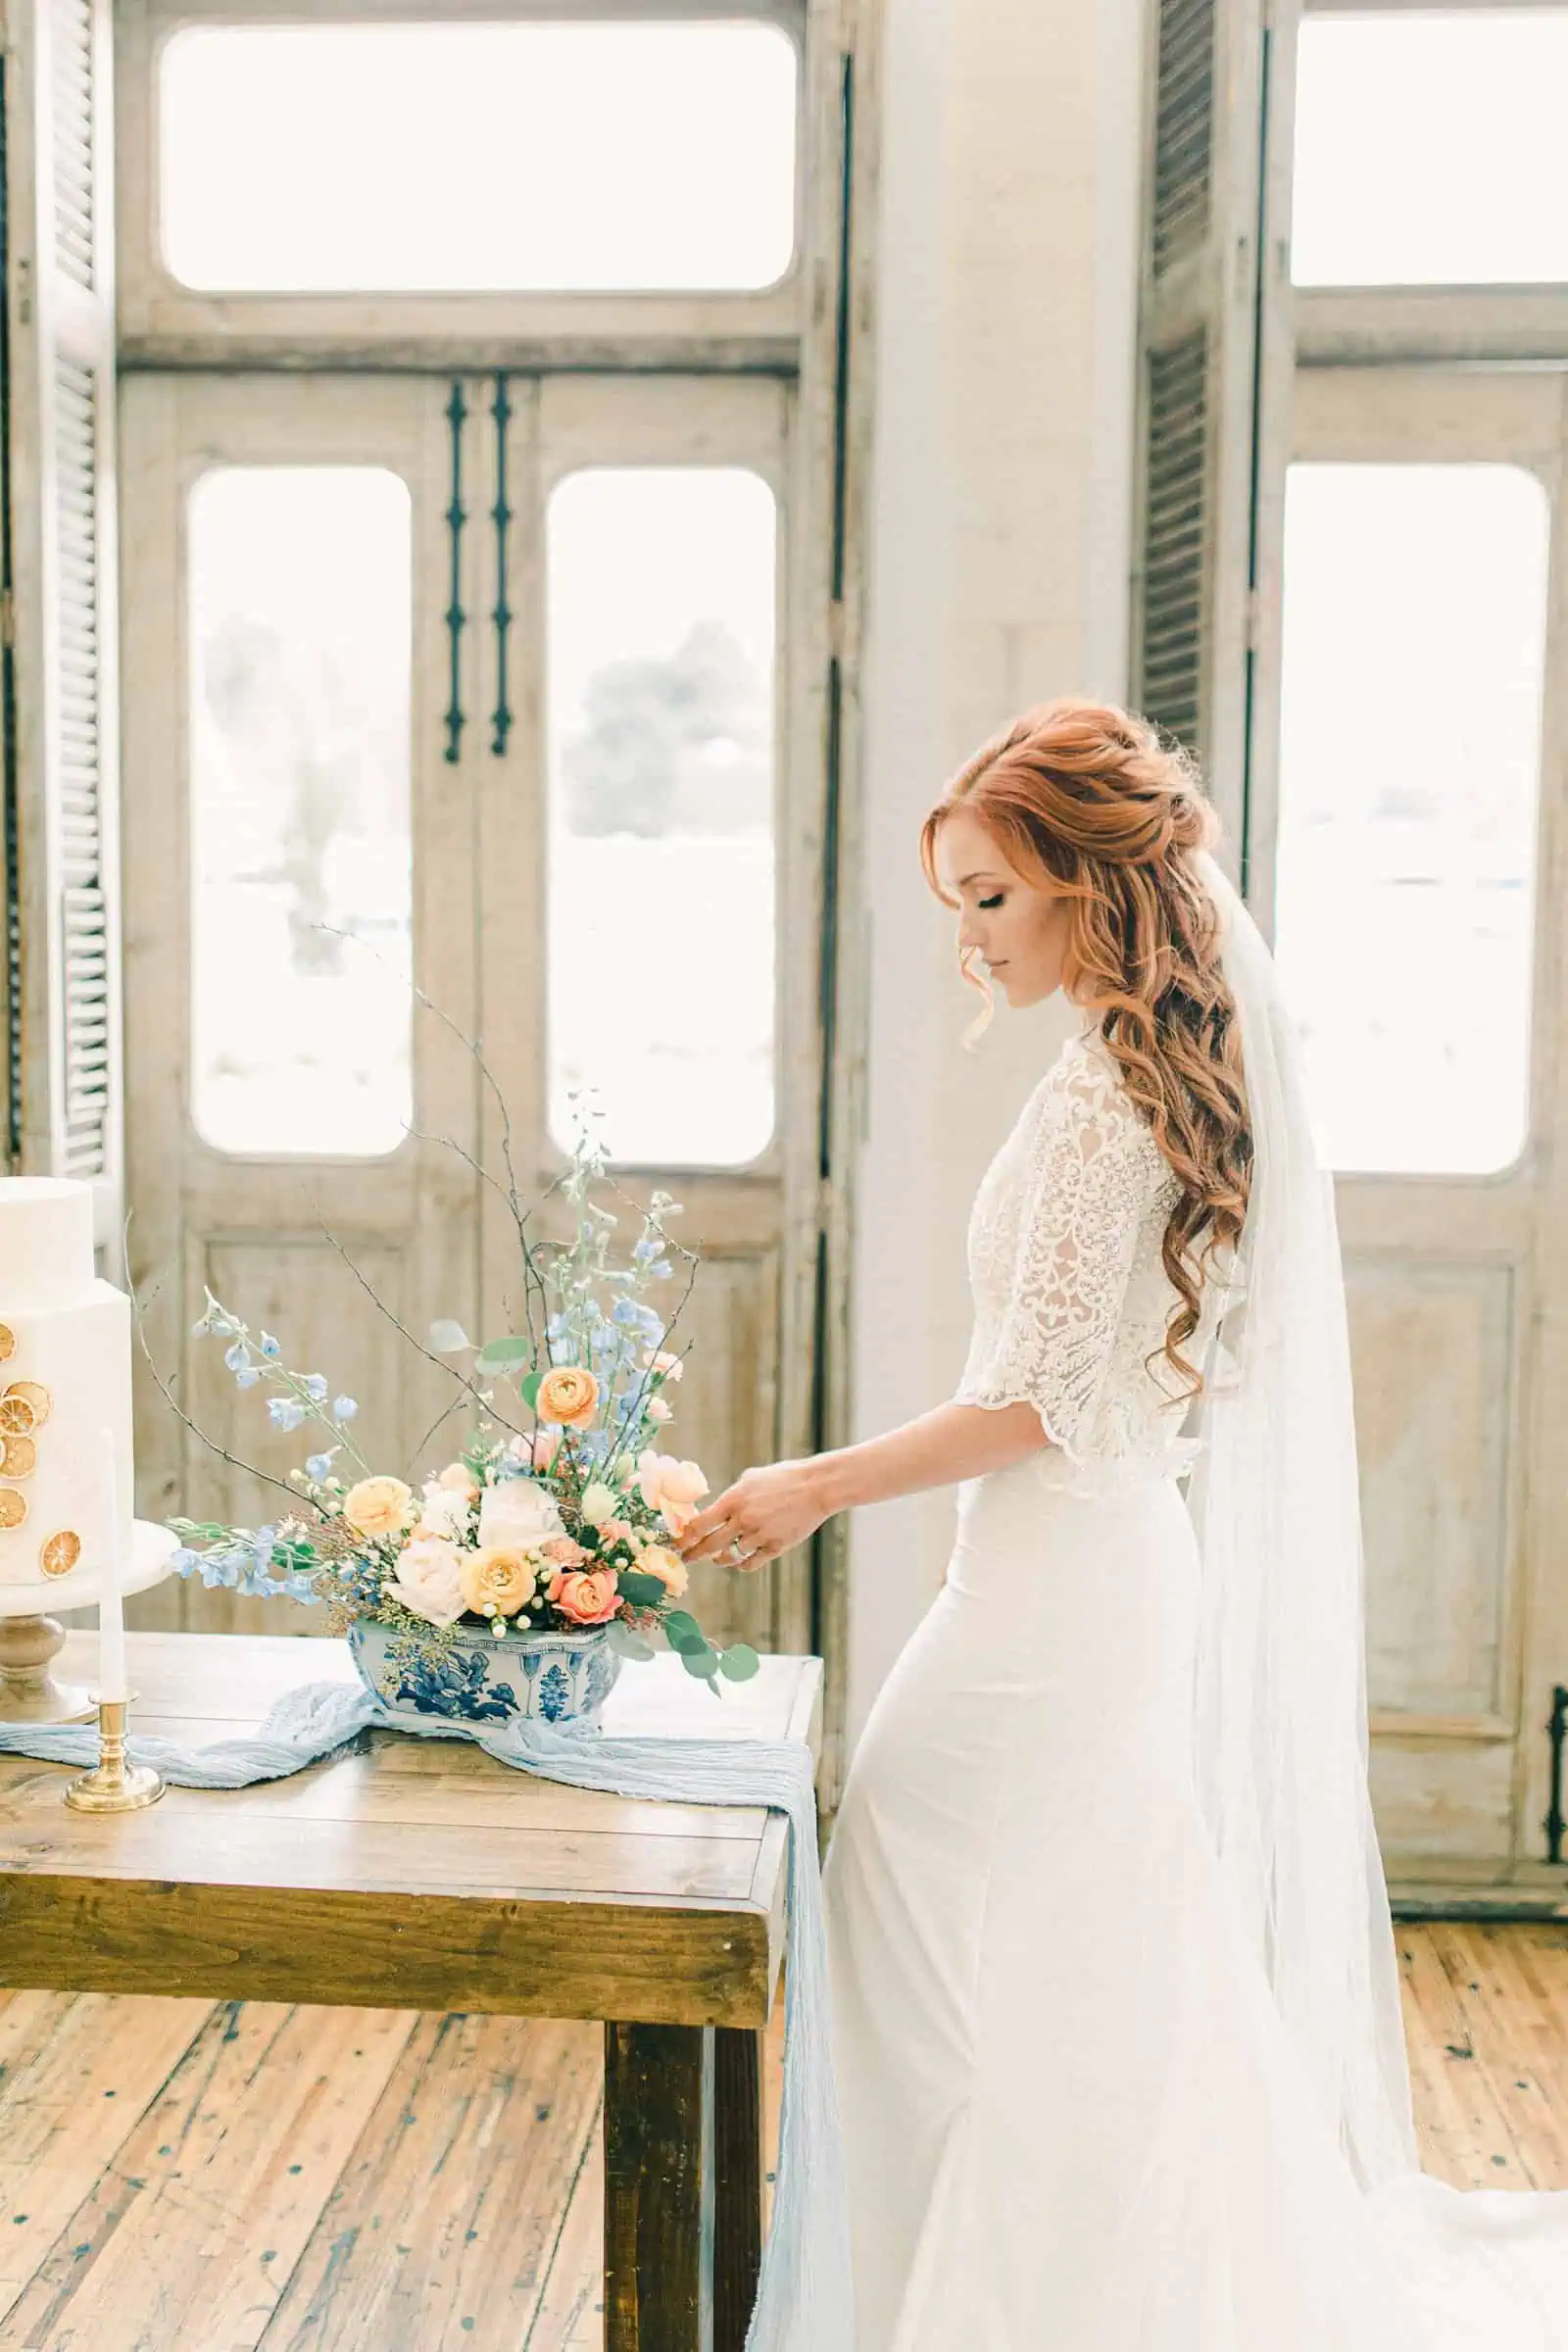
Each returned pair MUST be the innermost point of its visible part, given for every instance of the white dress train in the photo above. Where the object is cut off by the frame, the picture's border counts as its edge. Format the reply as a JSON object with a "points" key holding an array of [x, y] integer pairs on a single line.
{"points": [[1073, 2120]]}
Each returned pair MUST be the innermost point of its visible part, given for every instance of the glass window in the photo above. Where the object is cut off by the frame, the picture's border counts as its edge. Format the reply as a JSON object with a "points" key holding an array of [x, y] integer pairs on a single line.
{"points": [[472, 157], [1429, 148], [661, 684], [1414, 633], [300, 659]]}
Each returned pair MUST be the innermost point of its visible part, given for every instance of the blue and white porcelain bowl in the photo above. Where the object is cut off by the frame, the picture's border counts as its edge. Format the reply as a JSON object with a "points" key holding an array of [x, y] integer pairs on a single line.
{"points": [[537, 1674]]}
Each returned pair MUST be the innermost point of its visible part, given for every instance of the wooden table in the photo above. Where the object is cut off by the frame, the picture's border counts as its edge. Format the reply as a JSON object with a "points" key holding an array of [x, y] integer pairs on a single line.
{"points": [[422, 1874]]}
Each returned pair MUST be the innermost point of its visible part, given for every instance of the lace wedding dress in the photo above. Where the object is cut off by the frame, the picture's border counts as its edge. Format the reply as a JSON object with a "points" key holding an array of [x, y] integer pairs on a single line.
{"points": [[1075, 2116]]}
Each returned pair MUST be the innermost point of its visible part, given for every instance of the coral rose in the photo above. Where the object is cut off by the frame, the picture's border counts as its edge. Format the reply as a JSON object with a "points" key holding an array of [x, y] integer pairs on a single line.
{"points": [[671, 1487], [567, 1394], [427, 1581], [380, 1506], [498, 1579], [657, 1560], [587, 1598], [565, 1553]]}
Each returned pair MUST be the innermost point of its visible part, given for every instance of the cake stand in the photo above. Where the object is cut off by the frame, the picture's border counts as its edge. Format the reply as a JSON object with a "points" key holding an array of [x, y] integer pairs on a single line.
{"points": [[31, 1640]]}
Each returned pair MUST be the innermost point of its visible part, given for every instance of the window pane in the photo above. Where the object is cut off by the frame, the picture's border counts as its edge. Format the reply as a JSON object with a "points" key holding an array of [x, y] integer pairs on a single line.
{"points": [[300, 579], [661, 592], [1429, 148], [1414, 624], [472, 157]]}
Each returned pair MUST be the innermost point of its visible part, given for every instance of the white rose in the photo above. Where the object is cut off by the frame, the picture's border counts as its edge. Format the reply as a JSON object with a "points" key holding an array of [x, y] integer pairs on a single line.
{"points": [[520, 1511], [426, 1580], [443, 1510], [597, 1503]]}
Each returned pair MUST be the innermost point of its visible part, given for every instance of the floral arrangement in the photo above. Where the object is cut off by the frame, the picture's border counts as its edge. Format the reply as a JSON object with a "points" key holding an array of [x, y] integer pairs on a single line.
{"points": [[558, 1509]]}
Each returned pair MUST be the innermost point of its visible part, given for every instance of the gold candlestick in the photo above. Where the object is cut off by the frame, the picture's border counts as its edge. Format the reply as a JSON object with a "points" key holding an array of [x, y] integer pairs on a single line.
{"points": [[114, 1785]]}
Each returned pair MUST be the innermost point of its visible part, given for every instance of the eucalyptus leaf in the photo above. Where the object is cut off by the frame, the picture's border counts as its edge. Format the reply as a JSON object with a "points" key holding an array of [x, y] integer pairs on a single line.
{"points": [[529, 1388], [499, 1355], [703, 1662], [739, 1662], [682, 1632], [447, 1337], [643, 1590], [627, 1641]]}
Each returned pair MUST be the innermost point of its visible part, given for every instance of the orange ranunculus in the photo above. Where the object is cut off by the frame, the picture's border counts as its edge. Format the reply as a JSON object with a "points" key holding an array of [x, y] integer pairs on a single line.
{"points": [[657, 1560], [497, 1580], [380, 1506], [567, 1394], [587, 1597]]}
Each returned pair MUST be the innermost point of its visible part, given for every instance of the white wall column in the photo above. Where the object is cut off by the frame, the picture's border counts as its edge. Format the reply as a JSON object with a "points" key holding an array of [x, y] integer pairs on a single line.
{"points": [[1000, 513]]}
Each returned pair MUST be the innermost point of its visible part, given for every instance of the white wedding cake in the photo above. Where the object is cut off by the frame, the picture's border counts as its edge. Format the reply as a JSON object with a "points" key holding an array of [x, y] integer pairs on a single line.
{"points": [[64, 1382]]}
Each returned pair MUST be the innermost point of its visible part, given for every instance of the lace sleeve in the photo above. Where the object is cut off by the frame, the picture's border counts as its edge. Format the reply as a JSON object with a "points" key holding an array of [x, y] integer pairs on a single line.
{"points": [[1089, 1175]]}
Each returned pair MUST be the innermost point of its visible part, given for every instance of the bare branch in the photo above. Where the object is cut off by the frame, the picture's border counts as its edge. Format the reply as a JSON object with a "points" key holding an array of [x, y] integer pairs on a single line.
{"points": [[175, 1405], [399, 1325]]}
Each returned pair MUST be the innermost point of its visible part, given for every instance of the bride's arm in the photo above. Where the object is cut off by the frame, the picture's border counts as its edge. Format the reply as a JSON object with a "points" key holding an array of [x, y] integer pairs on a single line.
{"points": [[768, 1509]]}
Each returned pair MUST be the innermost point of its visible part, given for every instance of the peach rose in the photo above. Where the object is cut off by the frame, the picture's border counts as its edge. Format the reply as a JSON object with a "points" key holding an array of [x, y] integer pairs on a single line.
{"points": [[657, 1410], [567, 1394], [498, 1579], [564, 1553], [427, 1581], [541, 1450], [657, 1560], [460, 1478], [586, 1599], [380, 1506], [671, 1487], [616, 1531], [671, 1368]]}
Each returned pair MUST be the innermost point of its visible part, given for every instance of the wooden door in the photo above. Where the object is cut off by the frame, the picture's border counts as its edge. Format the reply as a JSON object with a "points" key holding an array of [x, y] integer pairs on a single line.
{"points": [[482, 671], [291, 823], [1415, 854]]}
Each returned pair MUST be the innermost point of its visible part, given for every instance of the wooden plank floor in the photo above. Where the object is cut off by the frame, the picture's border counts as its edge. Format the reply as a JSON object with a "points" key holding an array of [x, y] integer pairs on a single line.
{"points": [[195, 2176]]}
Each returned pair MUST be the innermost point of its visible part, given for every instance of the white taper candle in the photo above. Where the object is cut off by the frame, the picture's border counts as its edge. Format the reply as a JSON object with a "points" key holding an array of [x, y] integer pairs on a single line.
{"points": [[111, 1682]]}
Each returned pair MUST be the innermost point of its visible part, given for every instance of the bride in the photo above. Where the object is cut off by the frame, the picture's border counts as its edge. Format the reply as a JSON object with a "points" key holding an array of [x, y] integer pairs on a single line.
{"points": [[1115, 2004]]}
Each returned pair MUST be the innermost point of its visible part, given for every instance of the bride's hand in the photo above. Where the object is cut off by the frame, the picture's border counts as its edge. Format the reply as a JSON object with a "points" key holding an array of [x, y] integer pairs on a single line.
{"points": [[764, 1513]]}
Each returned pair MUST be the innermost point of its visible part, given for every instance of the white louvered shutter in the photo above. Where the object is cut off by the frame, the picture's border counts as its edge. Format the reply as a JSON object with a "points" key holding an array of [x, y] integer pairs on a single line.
{"points": [[1217, 355], [61, 613]]}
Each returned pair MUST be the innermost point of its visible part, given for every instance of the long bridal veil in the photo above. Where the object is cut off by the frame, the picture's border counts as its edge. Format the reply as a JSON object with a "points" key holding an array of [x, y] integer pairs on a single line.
{"points": [[1280, 1697]]}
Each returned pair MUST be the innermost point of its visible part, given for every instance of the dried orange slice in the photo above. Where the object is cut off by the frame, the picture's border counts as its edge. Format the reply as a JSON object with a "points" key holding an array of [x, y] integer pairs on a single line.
{"points": [[13, 1507], [18, 1458], [59, 1554], [16, 1416], [34, 1392], [8, 1341]]}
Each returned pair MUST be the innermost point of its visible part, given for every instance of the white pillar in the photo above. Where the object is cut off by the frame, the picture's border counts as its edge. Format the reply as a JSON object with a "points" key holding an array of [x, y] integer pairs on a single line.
{"points": [[1001, 470]]}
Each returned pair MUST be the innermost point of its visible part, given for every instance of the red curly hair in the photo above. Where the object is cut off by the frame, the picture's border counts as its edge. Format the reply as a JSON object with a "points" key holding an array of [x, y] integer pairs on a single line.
{"points": [[1086, 800]]}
